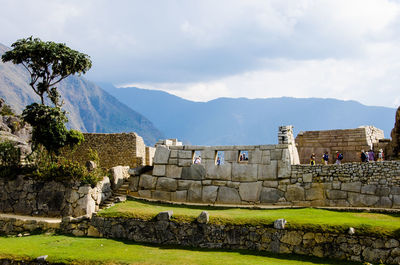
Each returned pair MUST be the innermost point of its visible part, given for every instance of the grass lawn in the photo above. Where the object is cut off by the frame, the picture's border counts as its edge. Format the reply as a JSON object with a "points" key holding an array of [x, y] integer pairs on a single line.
{"points": [[305, 218], [82, 250]]}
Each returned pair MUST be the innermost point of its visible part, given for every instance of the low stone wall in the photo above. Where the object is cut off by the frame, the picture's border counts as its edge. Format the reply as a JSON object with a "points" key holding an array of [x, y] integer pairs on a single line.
{"points": [[375, 184], [262, 238], [27, 196], [26, 226], [114, 149]]}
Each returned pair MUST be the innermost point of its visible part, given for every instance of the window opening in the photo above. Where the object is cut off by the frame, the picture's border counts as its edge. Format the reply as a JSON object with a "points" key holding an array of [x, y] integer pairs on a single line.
{"points": [[243, 156], [220, 158], [197, 157]]}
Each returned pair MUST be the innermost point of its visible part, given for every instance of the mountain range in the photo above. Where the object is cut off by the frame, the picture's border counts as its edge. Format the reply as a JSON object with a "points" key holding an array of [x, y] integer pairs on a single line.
{"points": [[89, 107], [155, 114], [242, 121]]}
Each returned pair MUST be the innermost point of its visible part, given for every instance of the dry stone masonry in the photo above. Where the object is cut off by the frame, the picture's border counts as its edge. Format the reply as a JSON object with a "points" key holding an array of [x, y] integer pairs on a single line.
{"points": [[163, 230], [350, 142], [175, 176], [270, 176], [26, 196], [114, 149]]}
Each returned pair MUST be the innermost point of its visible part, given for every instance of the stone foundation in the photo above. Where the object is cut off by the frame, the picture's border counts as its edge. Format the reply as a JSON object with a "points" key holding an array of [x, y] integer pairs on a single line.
{"points": [[262, 238]]}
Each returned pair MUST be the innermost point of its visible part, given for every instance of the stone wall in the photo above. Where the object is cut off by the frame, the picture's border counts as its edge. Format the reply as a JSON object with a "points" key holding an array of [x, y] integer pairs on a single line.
{"points": [[350, 142], [161, 230], [27, 196], [114, 149], [176, 176], [375, 184], [26, 226]]}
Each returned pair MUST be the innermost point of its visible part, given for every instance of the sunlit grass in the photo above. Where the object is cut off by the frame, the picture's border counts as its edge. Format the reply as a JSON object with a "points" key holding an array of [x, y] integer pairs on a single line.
{"points": [[81, 250], [304, 218]]}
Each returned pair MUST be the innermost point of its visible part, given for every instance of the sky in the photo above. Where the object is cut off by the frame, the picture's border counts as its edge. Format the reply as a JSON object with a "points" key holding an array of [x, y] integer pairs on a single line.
{"points": [[205, 49]]}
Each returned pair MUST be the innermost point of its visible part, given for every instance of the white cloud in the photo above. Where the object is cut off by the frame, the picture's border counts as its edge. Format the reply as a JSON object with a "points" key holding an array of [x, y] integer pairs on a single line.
{"points": [[206, 49]]}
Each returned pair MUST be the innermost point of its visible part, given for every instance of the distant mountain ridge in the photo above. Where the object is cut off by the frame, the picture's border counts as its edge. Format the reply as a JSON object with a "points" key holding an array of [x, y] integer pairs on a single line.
{"points": [[90, 108], [226, 121]]}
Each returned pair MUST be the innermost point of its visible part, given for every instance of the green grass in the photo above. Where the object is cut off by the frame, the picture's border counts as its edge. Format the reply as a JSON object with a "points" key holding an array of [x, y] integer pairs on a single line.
{"points": [[305, 218], [81, 250]]}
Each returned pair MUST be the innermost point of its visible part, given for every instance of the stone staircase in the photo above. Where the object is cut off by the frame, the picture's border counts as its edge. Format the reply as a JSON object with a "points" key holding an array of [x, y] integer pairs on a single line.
{"points": [[117, 196]]}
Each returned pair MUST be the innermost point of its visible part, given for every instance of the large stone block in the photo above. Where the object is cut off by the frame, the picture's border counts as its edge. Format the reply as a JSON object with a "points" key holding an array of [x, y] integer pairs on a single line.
{"points": [[315, 193], [368, 200], [268, 172], [294, 193], [167, 184], [276, 154], [352, 186], [336, 194], [219, 172], [147, 182], [250, 191], [118, 176], [145, 193], [194, 172], [173, 171], [185, 162], [255, 156], [231, 156], [208, 154], [284, 169], [161, 155], [228, 195], [173, 154], [270, 195], [185, 154], [185, 184], [244, 172], [195, 192], [368, 189], [159, 170], [179, 196], [161, 195], [209, 194]]}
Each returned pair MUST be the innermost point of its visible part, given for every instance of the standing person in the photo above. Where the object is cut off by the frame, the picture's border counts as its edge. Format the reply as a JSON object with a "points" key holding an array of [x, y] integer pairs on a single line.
{"points": [[339, 157], [312, 159], [325, 158], [371, 156], [363, 156], [218, 161], [380, 155]]}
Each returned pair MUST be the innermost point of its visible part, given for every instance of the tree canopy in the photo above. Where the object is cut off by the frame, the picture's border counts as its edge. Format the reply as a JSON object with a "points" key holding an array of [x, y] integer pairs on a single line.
{"points": [[48, 63]]}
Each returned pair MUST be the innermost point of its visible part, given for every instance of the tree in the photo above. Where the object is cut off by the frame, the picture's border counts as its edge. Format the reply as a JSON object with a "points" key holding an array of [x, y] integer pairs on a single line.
{"points": [[48, 63]]}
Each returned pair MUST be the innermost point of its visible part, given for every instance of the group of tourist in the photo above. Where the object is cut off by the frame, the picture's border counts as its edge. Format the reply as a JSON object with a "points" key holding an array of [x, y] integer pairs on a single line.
{"points": [[325, 158], [369, 156], [365, 157]]}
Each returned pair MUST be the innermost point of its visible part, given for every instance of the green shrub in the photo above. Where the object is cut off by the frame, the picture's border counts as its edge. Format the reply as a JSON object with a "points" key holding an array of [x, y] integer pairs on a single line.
{"points": [[6, 110], [10, 155], [66, 170]]}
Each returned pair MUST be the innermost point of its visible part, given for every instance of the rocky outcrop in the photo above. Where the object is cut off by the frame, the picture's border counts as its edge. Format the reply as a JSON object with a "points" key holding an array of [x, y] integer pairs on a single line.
{"points": [[394, 151]]}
